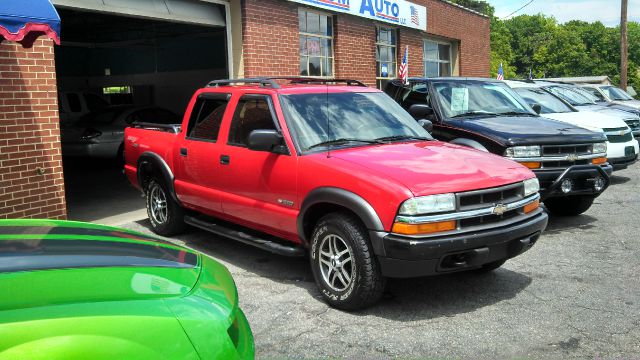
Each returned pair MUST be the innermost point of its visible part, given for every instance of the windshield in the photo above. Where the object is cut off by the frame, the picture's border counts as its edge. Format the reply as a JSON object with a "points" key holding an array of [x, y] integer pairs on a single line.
{"points": [[457, 98], [615, 93], [572, 97], [549, 104], [595, 94], [348, 119]]}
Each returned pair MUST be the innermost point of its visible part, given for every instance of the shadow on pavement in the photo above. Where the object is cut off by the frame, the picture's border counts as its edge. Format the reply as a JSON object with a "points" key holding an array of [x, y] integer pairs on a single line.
{"points": [[428, 297], [616, 179], [558, 224], [97, 189]]}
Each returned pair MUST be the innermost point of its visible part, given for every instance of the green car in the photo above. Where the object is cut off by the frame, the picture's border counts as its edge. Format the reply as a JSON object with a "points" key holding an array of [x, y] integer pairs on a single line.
{"points": [[72, 290]]}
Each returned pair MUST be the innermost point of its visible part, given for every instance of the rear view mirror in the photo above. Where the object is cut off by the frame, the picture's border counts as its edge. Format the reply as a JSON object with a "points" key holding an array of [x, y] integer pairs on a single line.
{"points": [[420, 111], [537, 108], [426, 124], [267, 140]]}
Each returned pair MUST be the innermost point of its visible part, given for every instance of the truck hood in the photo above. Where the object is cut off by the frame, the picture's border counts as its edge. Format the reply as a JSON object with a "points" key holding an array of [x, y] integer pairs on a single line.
{"points": [[516, 130], [617, 113], [631, 103], [434, 167], [594, 121]]}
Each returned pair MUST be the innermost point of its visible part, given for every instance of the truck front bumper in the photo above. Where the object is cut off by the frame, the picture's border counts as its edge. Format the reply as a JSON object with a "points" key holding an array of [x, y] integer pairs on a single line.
{"points": [[582, 178], [406, 257]]}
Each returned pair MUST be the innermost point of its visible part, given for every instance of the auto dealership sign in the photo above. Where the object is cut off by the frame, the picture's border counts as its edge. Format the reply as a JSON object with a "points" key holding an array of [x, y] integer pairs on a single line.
{"points": [[399, 12]]}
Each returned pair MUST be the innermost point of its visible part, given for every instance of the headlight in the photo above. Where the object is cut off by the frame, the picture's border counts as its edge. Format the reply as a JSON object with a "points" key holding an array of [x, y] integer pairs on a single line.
{"points": [[428, 204], [523, 151], [600, 148], [531, 186]]}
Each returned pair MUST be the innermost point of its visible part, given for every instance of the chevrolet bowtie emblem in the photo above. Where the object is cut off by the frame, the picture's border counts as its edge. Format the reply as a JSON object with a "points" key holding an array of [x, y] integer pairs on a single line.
{"points": [[572, 157], [622, 133], [500, 209]]}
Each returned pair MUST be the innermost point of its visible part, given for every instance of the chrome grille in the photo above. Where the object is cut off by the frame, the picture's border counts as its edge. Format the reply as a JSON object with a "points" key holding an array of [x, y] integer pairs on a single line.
{"points": [[564, 150], [634, 124], [490, 197]]}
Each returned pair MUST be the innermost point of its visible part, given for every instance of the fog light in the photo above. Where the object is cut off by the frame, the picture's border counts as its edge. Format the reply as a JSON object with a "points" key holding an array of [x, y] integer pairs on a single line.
{"points": [[599, 184], [566, 186]]}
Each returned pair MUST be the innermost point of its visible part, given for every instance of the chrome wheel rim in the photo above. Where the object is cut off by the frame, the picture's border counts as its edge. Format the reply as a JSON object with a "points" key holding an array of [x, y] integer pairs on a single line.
{"points": [[336, 262], [158, 205]]}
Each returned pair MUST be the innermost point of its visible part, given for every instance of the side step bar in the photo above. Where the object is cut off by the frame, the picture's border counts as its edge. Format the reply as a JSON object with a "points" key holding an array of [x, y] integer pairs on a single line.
{"points": [[262, 243]]}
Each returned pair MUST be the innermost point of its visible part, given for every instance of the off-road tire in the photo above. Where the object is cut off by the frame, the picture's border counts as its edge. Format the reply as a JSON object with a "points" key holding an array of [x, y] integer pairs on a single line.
{"points": [[174, 222], [569, 206], [367, 284]]}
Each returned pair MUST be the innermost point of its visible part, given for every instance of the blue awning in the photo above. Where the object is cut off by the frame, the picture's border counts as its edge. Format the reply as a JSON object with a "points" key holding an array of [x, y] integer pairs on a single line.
{"points": [[24, 21]]}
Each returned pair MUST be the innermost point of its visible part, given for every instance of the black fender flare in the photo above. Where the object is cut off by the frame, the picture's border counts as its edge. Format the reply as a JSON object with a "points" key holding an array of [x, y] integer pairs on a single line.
{"points": [[157, 163], [346, 199]]}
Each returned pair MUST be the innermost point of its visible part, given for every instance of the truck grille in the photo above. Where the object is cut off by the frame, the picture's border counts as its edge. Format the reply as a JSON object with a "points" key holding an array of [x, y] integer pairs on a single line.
{"points": [[490, 197], [564, 150], [634, 124], [613, 135]]}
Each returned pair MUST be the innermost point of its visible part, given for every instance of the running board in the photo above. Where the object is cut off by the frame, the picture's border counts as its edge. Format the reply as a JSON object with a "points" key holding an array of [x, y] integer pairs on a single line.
{"points": [[262, 243]]}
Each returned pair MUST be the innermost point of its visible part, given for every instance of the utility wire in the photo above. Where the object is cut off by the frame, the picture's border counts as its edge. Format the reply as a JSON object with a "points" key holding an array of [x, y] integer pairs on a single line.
{"points": [[523, 6]]}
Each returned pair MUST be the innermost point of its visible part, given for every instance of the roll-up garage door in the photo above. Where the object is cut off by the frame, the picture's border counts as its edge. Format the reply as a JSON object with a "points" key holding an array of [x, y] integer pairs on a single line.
{"points": [[185, 11]]}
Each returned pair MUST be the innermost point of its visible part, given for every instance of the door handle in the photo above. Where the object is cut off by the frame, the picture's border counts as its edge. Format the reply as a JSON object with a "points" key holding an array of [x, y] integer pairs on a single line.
{"points": [[224, 159], [183, 152]]}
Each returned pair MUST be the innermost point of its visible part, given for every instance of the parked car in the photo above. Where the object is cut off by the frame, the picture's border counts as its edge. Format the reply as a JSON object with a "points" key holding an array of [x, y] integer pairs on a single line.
{"points": [[612, 94], [337, 171], [622, 148], [487, 115], [84, 291], [583, 101], [101, 134], [72, 105]]}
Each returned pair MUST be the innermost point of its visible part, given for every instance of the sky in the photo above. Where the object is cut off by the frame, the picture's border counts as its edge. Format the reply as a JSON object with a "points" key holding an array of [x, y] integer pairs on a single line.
{"points": [[607, 11]]}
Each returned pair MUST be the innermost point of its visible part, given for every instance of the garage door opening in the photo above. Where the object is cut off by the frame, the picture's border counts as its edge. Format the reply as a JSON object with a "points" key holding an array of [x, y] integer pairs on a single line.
{"points": [[116, 69]]}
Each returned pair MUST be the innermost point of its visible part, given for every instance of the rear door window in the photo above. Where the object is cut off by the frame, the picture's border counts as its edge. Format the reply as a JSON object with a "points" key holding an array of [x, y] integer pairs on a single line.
{"points": [[206, 117]]}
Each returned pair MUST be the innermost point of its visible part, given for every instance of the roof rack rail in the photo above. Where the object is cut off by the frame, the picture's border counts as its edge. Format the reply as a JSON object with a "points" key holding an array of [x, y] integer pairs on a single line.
{"points": [[309, 80], [260, 81]]}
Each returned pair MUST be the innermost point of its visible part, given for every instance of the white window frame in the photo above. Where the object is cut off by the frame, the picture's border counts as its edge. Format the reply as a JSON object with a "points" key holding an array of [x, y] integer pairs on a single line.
{"points": [[395, 55], [332, 38], [425, 60]]}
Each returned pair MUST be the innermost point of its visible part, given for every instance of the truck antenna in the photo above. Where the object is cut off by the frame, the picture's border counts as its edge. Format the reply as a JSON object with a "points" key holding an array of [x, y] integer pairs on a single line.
{"points": [[328, 121]]}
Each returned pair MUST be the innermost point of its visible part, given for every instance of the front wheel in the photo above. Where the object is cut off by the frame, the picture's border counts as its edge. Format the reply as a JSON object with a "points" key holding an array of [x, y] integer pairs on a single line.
{"points": [[569, 206], [165, 214], [343, 264]]}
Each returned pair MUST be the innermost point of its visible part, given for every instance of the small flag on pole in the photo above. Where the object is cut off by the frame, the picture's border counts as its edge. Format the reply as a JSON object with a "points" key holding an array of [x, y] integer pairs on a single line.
{"points": [[403, 71], [500, 72]]}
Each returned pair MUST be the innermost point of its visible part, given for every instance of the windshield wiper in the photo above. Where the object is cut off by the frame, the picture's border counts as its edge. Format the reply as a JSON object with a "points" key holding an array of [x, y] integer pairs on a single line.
{"points": [[402, 137], [518, 113], [343, 141], [474, 113]]}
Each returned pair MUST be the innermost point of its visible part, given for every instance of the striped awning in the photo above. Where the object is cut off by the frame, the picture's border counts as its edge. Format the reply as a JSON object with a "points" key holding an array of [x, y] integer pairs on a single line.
{"points": [[24, 21]]}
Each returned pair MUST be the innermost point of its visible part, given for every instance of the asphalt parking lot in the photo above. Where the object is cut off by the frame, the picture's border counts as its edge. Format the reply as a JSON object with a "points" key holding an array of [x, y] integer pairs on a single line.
{"points": [[576, 294]]}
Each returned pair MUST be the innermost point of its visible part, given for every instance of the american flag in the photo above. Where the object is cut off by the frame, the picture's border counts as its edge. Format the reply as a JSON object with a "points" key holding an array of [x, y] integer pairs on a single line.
{"points": [[414, 16], [403, 71], [500, 72]]}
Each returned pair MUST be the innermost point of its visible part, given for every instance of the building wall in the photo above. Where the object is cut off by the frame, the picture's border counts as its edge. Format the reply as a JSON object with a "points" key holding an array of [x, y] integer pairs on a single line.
{"points": [[31, 179], [271, 42]]}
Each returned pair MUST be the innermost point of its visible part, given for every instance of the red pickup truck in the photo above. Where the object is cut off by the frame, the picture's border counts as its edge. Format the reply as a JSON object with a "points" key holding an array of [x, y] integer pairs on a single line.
{"points": [[338, 171]]}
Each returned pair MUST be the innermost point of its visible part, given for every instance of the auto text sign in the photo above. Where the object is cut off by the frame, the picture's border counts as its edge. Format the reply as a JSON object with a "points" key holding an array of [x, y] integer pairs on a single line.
{"points": [[399, 12]]}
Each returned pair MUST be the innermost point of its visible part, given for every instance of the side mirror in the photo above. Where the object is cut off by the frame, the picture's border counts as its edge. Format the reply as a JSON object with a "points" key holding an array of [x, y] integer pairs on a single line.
{"points": [[267, 140], [427, 125], [537, 108], [420, 111]]}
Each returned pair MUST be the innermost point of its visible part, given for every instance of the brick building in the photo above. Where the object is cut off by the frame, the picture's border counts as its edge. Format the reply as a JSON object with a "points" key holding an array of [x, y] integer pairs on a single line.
{"points": [[161, 54]]}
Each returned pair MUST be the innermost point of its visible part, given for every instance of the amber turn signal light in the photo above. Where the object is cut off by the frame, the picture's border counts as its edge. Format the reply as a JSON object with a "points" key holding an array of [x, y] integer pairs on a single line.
{"points": [[531, 165], [419, 229], [531, 206], [599, 161]]}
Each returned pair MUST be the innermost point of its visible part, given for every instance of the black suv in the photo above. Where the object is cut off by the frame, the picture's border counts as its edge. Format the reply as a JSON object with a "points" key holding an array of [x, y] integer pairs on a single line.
{"points": [[487, 115]]}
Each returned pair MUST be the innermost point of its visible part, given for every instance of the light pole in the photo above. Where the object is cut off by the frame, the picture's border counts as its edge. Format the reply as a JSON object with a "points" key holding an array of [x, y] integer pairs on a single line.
{"points": [[623, 46]]}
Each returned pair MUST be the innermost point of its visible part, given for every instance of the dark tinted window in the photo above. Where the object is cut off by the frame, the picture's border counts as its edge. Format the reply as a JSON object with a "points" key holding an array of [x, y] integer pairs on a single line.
{"points": [[74, 102], [252, 113], [206, 118]]}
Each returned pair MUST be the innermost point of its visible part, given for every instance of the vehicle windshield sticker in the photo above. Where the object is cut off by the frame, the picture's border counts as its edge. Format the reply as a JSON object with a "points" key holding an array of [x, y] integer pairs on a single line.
{"points": [[459, 100]]}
